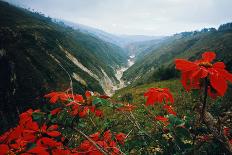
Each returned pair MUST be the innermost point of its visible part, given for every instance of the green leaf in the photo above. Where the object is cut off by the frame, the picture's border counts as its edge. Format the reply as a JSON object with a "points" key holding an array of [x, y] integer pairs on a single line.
{"points": [[175, 121]]}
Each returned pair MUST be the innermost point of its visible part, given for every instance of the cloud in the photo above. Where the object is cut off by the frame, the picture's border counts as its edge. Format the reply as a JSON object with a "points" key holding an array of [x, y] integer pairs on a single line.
{"points": [[149, 17]]}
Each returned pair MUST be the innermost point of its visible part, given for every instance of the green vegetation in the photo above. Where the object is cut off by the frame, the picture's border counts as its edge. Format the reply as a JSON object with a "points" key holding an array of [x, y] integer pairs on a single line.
{"points": [[32, 50], [159, 57]]}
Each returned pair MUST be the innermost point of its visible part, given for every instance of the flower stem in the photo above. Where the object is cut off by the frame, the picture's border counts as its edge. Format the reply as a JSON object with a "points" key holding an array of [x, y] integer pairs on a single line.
{"points": [[205, 98]]}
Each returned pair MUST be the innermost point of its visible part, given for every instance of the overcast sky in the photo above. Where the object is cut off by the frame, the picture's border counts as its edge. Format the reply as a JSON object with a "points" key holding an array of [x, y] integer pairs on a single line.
{"points": [[147, 17]]}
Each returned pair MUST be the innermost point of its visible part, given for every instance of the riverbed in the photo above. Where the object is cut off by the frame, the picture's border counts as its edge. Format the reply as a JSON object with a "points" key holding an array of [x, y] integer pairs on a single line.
{"points": [[120, 71]]}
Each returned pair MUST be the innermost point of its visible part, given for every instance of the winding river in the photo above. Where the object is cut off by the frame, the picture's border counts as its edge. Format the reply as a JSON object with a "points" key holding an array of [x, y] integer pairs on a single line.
{"points": [[120, 71]]}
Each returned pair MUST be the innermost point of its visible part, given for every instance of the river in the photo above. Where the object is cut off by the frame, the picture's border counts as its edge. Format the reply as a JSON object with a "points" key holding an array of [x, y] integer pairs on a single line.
{"points": [[120, 71]]}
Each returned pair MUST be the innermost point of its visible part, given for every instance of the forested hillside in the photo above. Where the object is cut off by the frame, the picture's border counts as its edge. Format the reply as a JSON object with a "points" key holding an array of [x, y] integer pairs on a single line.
{"points": [[36, 56], [155, 62]]}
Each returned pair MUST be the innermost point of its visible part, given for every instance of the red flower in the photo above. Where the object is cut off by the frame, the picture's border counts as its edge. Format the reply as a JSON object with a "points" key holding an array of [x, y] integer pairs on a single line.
{"points": [[95, 136], [55, 111], [32, 131], [98, 113], [158, 95], [121, 138], [84, 112], [162, 119], [44, 144], [55, 96], [169, 109], [107, 136], [192, 72], [127, 107], [12, 135], [26, 116], [88, 94]]}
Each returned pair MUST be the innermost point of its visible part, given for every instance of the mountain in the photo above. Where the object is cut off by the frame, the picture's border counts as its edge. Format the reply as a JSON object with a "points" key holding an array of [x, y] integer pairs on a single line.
{"points": [[38, 55], [155, 62], [120, 40], [140, 48]]}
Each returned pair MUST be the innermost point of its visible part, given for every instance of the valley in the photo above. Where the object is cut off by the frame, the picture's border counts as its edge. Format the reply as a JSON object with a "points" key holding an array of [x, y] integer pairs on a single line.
{"points": [[119, 73], [67, 88]]}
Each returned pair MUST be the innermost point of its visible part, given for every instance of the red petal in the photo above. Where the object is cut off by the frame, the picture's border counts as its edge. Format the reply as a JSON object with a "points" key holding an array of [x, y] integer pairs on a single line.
{"points": [[120, 137], [55, 111], [162, 119], [98, 113], [185, 65], [95, 136], [218, 83], [38, 150], [107, 135], [88, 94], [54, 133], [219, 65], [4, 149], [85, 145], [54, 99], [79, 98], [225, 74], [84, 112], [208, 56], [185, 76], [53, 127]]}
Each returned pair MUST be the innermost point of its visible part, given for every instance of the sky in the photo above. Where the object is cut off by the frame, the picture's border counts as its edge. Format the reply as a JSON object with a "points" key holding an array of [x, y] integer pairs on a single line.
{"points": [[137, 17]]}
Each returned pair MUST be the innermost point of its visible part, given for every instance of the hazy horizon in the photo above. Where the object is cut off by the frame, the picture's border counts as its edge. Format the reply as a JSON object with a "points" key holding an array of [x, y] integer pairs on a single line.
{"points": [[135, 17]]}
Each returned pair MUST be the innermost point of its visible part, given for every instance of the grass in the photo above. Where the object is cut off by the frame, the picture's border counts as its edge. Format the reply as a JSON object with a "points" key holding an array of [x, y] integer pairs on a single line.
{"points": [[182, 98]]}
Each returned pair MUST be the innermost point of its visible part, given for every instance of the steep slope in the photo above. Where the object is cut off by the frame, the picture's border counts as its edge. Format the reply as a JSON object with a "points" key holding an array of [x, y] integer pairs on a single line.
{"points": [[36, 56], [157, 64]]}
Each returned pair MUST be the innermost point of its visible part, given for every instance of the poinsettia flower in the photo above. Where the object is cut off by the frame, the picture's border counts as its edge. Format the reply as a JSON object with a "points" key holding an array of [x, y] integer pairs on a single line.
{"points": [[85, 145], [32, 130], [107, 135], [60, 151], [12, 135], [84, 111], [169, 109], [26, 116], [55, 111], [48, 142], [103, 144], [95, 136], [158, 95], [44, 145], [4, 149], [113, 145], [88, 94], [162, 119], [98, 113], [55, 96], [19, 144], [78, 98], [120, 137], [193, 72], [38, 150]]}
